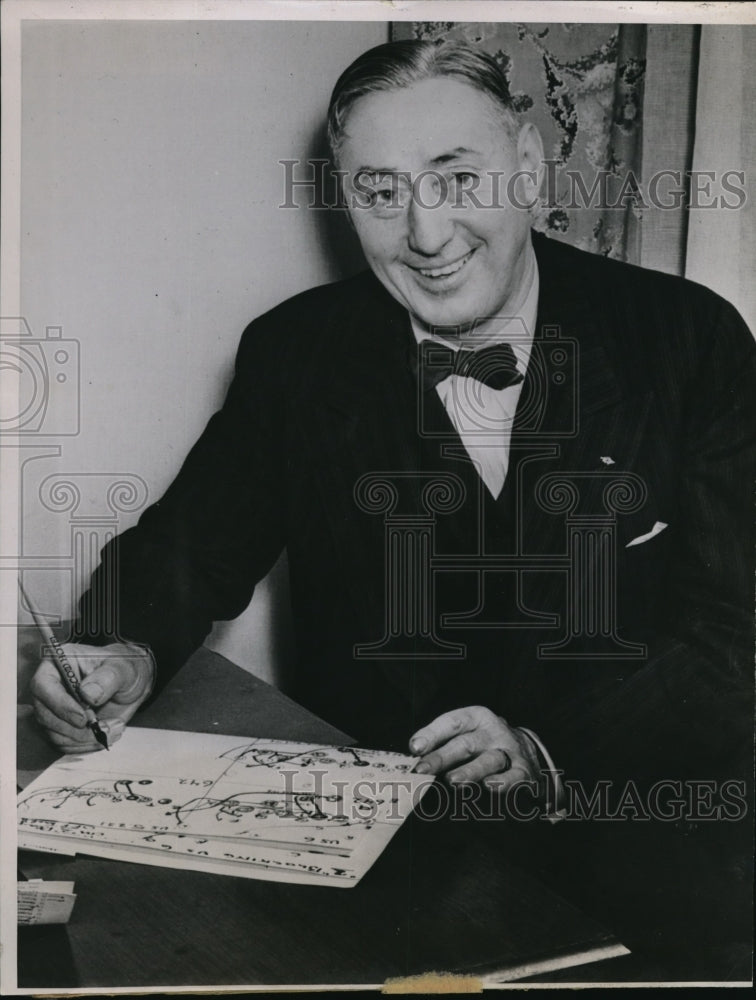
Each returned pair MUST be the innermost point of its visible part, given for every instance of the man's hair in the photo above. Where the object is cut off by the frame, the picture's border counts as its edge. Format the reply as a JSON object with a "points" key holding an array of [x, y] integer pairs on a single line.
{"points": [[400, 64]]}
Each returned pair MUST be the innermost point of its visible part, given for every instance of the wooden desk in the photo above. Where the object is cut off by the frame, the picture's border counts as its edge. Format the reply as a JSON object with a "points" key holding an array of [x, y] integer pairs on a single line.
{"points": [[444, 895]]}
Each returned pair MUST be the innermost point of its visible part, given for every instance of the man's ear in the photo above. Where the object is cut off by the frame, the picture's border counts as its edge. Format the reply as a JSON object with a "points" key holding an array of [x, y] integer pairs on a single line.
{"points": [[530, 159]]}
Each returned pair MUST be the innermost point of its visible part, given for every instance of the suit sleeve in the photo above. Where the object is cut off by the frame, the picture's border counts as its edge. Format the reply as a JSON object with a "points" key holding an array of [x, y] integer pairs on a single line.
{"points": [[195, 556], [688, 711]]}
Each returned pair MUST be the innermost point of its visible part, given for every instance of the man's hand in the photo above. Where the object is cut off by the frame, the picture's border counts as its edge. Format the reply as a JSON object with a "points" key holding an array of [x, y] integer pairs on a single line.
{"points": [[474, 745], [115, 680]]}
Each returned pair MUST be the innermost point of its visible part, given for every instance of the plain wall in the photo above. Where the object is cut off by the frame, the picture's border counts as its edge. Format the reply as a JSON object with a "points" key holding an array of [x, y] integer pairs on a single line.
{"points": [[151, 234]]}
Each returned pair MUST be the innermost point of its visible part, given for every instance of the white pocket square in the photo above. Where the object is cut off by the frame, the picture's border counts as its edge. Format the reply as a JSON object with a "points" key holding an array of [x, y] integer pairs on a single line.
{"points": [[658, 527]]}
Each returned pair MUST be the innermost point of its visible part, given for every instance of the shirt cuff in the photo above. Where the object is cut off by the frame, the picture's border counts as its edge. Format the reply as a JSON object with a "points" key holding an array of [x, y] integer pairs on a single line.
{"points": [[555, 810]]}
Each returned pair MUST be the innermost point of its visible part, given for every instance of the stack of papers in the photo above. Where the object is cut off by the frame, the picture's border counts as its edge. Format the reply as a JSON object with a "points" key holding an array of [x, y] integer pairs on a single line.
{"points": [[45, 902], [256, 808]]}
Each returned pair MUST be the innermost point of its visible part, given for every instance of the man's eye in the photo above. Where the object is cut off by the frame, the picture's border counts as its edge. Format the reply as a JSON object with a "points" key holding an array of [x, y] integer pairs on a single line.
{"points": [[388, 199], [465, 177]]}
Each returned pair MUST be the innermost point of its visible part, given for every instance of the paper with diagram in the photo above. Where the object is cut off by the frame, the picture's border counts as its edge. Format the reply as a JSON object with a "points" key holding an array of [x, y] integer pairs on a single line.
{"points": [[257, 808]]}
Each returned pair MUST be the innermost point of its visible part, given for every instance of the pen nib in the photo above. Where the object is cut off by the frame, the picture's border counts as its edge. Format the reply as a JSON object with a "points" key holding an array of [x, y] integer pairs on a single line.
{"points": [[99, 735]]}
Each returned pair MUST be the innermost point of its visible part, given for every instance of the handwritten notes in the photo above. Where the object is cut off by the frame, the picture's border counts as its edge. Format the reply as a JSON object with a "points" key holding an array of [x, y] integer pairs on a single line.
{"points": [[255, 808]]}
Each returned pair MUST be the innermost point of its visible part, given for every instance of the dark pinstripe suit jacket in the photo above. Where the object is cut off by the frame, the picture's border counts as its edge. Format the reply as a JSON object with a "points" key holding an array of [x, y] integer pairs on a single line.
{"points": [[662, 382]]}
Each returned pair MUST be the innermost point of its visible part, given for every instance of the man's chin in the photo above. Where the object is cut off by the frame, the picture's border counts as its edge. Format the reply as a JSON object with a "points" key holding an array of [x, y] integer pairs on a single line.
{"points": [[453, 320], [442, 313]]}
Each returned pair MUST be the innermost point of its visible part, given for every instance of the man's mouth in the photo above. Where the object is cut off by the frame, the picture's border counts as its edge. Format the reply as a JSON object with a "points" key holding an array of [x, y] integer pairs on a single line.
{"points": [[444, 270]]}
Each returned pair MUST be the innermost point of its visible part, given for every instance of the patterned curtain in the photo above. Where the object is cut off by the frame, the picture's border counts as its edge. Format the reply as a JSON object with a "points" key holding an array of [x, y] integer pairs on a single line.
{"points": [[582, 85]]}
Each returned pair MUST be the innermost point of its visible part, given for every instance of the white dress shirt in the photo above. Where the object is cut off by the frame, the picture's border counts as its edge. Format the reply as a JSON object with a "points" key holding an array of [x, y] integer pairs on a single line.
{"points": [[483, 416]]}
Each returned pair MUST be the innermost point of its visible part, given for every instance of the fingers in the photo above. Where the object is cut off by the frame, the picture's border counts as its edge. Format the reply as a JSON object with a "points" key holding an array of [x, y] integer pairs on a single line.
{"points": [[115, 681], [114, 730], [106, 681], [503, 781], [447, 726], [461, 766], [59, 727], [459, 750], [118, 673], [48, 690], [474, 745], [71, 739], [489, 762]]}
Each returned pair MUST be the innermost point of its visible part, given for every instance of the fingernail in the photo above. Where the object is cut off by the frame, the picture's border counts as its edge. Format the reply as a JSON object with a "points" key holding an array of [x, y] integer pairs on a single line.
{"points": [[422, 768], [454, 779], [419, 745], [92, 692]]}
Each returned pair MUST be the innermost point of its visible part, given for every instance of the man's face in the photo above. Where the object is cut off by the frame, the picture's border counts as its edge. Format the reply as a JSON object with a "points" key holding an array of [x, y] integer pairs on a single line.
{"points": [[434, 162]]}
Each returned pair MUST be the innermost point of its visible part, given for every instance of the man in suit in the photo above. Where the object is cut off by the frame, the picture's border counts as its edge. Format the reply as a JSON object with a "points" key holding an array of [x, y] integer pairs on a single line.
{"points": [[576, 500]]}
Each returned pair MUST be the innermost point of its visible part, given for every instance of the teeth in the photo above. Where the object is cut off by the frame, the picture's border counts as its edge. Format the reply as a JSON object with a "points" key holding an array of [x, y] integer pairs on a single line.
{"points": [[443, 272]]}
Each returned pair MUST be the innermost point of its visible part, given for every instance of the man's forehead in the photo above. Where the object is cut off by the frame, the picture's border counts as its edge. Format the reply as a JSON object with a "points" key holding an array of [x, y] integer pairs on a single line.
{"points": [[435, 121], [458, 154]]}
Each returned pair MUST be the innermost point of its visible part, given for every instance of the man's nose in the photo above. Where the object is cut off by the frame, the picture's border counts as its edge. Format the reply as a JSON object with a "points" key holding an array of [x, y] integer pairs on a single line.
{"points": [[430, 223]]}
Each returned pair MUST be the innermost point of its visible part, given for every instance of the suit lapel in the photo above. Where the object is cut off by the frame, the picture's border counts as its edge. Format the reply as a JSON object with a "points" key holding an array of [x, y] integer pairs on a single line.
{"points": [[586, 421]]}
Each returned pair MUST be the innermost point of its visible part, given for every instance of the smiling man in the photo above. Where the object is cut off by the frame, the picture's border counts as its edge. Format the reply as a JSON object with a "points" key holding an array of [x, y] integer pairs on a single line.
{"points": [[577, 431], [441, 231]]}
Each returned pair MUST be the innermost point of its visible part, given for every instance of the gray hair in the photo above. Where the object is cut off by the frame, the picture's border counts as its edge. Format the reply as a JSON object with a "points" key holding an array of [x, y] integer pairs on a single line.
{"points": [[400, 64]]}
